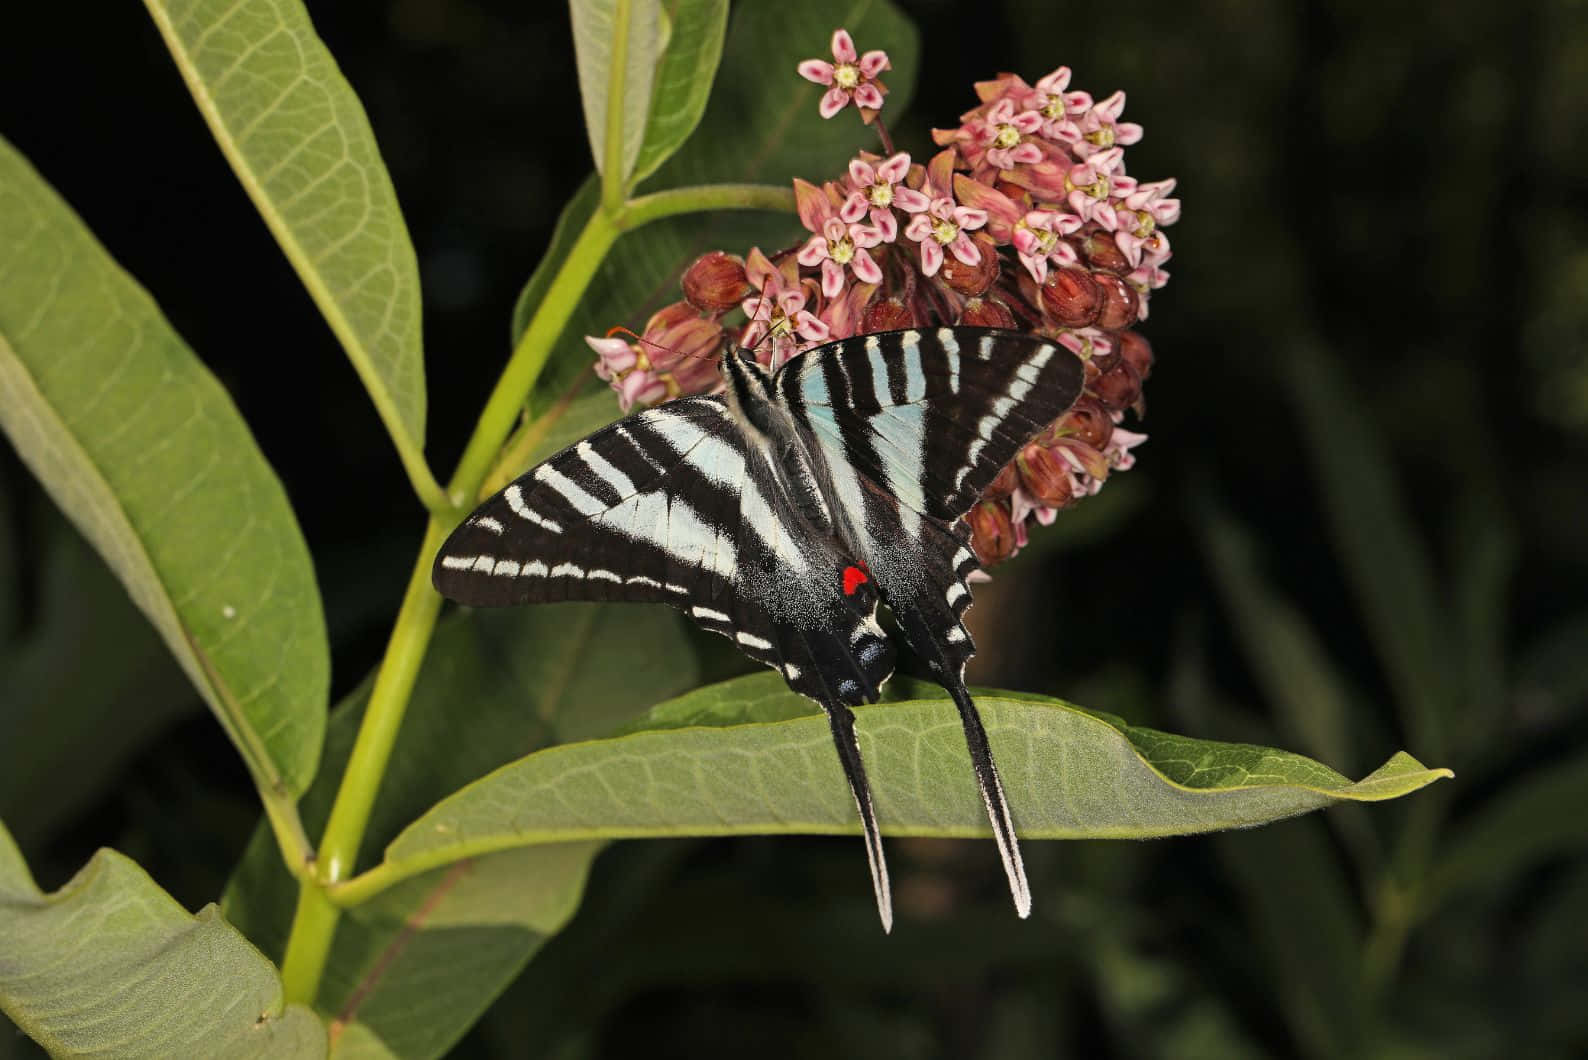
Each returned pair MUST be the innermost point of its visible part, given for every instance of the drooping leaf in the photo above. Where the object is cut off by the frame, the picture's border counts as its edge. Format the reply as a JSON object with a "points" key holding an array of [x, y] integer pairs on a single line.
{"points": [[638, 30], [141, 447], [111, 965], [761, 125], [410, 972], [298, 139], [749, 757], [683, 79]]}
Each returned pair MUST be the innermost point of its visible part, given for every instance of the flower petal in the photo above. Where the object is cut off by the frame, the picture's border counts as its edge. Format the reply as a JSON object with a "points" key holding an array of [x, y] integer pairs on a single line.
{"points": [[813, 252], [844, 46], [894, 169], [874, 62], [931, 257], [910, 201], [832, 278], [811, 204], [965, 249], [861, 175], [816, 70], [867, 95], [854, 207], [865, 267], [834, 100]]}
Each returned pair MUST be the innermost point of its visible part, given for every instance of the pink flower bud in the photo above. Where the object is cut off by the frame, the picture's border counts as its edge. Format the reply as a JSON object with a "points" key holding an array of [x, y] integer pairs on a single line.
{"points": [[986, 313], [972, 279], [1046, 476], [1136, 351], [1004, 484], [1071, 298], [887, 314], [1120, 302], [1087, 422], [716, 282], [992, 533], [1118, 387], [1100, 250]]}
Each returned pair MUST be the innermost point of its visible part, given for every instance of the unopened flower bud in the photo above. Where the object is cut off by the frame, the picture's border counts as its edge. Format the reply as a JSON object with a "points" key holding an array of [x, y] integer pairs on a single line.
{"points": [[1136, 351], [1100, 250], [1046, 476], [1088, 422], [986, 313], [992, 534], [972, 279], [1071, 298], [1004, 484], [1120, 302], [887, 314], [1119, 387], [716, 282]]}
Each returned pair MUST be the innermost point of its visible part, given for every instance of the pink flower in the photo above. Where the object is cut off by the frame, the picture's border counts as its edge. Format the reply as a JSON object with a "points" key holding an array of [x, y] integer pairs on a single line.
{"points": [[944, 223], [1101, 128], [778, 311], [1035, 234], [840, 241], [1003, 135], [676, 355], [849, 76], [1059, 108], [877, 188]]}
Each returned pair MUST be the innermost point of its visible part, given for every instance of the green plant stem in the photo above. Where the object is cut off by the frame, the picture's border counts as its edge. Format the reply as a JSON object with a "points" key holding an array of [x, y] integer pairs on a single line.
{"points": [[613, 179], [315, 920], [314, 923], [313, 927]]}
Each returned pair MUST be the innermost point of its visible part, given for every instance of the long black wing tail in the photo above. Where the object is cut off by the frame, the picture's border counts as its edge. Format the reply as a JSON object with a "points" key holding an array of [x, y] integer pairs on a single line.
{"points": [[992, 795], [842, 721]]}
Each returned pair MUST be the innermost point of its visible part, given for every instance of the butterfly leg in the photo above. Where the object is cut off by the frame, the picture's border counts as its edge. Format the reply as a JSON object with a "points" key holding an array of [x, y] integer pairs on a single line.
{"points": [[842, 721], [992, 794]]}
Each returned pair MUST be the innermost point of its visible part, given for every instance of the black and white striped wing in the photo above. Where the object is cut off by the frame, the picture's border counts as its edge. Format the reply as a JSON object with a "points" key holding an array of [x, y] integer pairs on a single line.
{"points": [[931, 415], [912, 427], [671, 505]]}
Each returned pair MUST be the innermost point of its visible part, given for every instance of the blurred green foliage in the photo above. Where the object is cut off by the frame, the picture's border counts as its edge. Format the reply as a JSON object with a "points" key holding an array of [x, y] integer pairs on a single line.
{"points": [[1359, 525]]}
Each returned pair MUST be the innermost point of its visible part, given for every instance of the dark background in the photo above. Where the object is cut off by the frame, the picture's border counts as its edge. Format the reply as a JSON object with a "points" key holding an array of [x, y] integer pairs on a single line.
{"points": [[1397, 192]]}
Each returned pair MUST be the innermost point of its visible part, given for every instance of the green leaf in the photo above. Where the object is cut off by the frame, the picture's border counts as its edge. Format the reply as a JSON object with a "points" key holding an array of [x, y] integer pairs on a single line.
{"points": [[495, 685], [683, 79], [1378, 545], [145, 452], [760, 125], [637, 31], [295, 134], [111, 965], [1537, 816], [750, 757]]}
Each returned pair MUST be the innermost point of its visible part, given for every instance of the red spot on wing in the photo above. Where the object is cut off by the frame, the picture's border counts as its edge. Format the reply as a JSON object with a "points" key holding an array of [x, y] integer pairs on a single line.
{"points": [[854, 578]]}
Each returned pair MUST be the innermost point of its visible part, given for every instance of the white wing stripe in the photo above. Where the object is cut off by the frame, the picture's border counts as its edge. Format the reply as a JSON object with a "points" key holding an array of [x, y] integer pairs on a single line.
{"points": [[577, 497], [515, 500], [604, 470]]}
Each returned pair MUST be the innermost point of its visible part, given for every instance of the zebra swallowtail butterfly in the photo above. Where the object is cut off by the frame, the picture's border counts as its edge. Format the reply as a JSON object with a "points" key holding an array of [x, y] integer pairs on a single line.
{"points": [[780, 512]]}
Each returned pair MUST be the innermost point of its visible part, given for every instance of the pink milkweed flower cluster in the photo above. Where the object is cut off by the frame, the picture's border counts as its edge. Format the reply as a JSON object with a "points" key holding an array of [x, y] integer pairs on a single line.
{"points": [[1024, 218]]}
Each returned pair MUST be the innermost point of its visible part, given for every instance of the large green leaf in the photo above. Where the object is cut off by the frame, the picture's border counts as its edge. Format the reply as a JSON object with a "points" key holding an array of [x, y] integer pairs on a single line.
{"points": [[111, 965], [299, 141], [683, 79], [749, 756], [636, 31], [141, 447], [409, 972], [761, 125]]}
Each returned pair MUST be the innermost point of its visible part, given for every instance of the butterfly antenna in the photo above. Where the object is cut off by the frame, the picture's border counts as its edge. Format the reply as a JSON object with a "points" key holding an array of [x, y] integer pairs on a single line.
{"points": [[842, 720], [992, 794]]}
